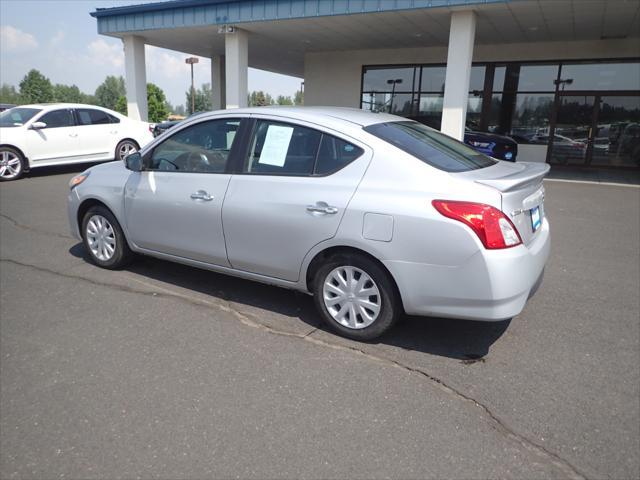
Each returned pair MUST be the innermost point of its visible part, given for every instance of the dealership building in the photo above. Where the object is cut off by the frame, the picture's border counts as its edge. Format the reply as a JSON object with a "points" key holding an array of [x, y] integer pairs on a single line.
{"points": [[561, 77]]}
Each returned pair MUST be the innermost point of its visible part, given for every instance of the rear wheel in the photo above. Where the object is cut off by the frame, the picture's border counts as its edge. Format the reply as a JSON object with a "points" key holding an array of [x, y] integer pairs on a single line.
{"points": [[356, 297], [12, 164], [104, 239], [126, 147]]}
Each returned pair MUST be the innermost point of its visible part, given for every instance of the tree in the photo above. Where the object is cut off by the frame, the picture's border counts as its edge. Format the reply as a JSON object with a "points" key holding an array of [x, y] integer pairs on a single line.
{"points": [[298, 99], [121, 105], [36, 88], [260, 99], [282, 100], [202, 99], [9, 94], [109, 91], [156, 103], [67, 94]]}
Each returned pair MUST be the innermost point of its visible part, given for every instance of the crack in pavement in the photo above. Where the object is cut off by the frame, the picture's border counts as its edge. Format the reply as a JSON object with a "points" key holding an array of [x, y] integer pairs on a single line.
{"points": [[34, 229], [569, 469]]}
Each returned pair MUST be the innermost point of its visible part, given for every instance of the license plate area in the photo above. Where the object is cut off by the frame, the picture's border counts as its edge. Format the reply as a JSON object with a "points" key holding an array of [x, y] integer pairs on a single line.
{"points": [[536, 219]]}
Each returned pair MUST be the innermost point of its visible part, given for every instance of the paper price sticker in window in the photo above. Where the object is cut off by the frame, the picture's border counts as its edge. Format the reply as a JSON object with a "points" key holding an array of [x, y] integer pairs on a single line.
{"points": [[276, 145]]}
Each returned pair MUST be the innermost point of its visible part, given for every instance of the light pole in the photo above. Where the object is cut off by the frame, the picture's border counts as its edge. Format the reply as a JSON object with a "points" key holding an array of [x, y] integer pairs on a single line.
{"points": [[393, 82], [191, 61]]}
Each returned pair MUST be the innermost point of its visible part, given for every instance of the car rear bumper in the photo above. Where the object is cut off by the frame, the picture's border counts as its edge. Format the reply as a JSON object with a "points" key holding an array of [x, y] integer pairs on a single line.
{"points": [[492, 285]]}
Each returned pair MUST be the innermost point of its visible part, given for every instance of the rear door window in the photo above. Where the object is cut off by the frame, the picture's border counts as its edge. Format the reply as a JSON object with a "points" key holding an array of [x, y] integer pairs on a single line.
{"points": [[278, 148], [90, 116], [335, 154], [430, 146], [282, 149]]}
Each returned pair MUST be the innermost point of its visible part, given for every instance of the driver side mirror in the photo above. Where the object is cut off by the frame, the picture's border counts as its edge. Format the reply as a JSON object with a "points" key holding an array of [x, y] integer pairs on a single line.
{"points": [[133, 162], [38, 125]]}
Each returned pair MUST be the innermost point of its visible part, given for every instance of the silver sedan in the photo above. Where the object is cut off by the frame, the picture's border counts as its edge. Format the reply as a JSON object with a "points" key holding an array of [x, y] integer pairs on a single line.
{"points": [[373, 214]]}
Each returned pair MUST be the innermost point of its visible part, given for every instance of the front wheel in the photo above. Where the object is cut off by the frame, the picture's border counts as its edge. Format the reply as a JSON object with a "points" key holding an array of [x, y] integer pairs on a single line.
{"points": [[356, 297], [12, 164], [126, 147], [104, 239]]}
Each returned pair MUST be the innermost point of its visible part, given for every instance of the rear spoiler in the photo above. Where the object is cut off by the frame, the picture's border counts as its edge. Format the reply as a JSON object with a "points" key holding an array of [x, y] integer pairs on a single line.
{"points": [[531, 173]]}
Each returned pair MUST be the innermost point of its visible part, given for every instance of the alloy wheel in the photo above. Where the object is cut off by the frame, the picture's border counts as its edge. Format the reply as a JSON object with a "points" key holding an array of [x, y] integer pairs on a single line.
{"points": [[101, 238], [351, 297], [126, 148], [10, 165]]}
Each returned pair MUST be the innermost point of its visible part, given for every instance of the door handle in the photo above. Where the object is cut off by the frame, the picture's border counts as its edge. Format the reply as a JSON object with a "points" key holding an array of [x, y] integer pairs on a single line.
{"points": [[201, 195], [73, 135], [322, 207]]}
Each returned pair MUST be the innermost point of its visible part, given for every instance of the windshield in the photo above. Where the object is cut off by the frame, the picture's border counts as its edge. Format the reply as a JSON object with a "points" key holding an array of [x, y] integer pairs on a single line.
{"points": [[430, 146], [17, 116]]}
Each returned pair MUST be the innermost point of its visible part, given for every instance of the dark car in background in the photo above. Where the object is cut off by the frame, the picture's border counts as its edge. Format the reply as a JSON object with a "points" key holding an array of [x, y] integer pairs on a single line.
{"points": [[494, 145], [162, 127]]}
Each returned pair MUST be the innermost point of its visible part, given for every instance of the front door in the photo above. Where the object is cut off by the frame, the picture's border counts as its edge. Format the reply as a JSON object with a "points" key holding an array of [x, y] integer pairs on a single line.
{"points": [[57, 141], [291, 193], [174, 206]]}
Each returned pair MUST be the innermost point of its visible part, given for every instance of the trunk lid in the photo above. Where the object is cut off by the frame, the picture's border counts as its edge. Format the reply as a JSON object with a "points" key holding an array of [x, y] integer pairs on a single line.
{"points": [[522, 192]]}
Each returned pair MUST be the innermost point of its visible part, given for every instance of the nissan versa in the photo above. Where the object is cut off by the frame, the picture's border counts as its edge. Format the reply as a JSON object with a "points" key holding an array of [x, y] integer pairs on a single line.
{"points": [[373, 214]]}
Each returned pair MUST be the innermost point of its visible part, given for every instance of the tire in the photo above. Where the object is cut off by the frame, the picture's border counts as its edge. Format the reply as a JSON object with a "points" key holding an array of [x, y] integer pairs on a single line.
{"points": [[104, 240], [124, 148], [338, 314], [12, 164]]}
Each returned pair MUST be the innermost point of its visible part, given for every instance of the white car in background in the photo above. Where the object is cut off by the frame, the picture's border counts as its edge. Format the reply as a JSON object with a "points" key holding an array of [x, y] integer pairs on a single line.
{"points": [[34, 136]]}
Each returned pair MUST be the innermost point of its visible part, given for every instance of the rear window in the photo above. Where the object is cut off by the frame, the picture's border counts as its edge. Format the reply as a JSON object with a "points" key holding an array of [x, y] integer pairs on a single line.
{"points": [[430, 146]]}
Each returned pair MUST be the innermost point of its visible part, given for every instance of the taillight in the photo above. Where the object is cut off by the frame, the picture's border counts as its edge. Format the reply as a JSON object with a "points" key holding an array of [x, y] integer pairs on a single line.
{"points": [[492, 226]]}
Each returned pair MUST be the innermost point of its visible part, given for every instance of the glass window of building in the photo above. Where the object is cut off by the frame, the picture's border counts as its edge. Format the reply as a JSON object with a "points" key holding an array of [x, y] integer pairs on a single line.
{"points": [[380, 79], [537, 78], [433, 79], [597, 112], [602, 76]]}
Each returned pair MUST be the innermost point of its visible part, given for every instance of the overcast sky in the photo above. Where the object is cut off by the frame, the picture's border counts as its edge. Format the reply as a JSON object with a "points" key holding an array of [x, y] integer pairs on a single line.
{"points": [[60, 39]]}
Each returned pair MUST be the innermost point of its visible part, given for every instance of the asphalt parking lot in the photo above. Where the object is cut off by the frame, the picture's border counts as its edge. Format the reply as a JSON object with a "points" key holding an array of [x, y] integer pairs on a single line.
{"points": [[166, 371]]}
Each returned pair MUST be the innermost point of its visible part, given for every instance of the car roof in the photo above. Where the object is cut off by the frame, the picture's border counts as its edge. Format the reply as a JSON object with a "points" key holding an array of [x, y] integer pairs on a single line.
{"points": [[62, 105], [316, 114]]}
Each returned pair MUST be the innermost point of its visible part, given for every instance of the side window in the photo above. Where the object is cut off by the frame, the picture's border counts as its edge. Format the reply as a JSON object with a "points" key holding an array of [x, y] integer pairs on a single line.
{"points": [[282, 149], [334, 154], [113, 118], [89, 116], [201, 148], [57, 119]]}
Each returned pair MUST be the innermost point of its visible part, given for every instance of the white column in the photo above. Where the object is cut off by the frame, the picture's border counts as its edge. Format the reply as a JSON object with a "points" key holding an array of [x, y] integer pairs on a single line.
{"points": [[456, 87], [218, 83], [237, 65], [135, 78]]}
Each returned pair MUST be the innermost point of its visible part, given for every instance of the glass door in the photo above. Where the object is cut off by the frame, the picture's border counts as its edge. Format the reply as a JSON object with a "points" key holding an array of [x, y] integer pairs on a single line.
{"points": [[572, 139], [617, 132], [597, 130]]}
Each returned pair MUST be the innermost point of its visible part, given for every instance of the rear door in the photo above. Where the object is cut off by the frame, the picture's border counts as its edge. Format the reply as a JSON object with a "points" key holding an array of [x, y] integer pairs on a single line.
{"points": [[289, 193], [97, 136]]}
